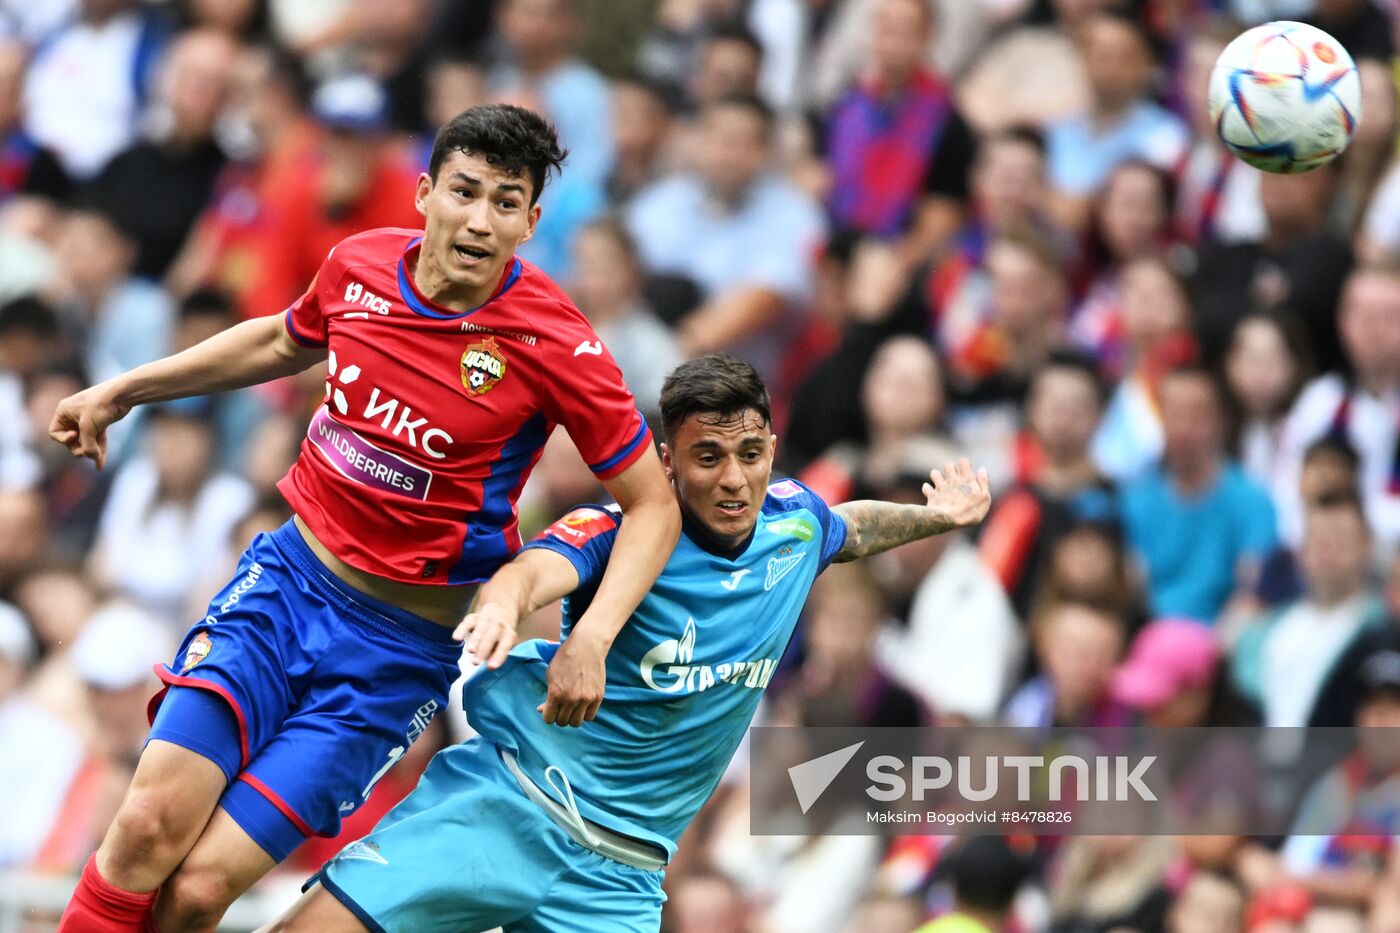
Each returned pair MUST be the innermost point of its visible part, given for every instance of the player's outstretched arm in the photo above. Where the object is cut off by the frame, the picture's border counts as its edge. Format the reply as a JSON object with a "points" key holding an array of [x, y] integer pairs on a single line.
{"points": [[534, 578], [957, 498], [645, 539], [246, 354]]}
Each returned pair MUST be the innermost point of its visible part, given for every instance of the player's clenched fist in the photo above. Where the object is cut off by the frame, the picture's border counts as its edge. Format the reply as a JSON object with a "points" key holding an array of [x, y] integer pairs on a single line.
{"points": [[81, 422], [489, 633], [577, 676]]}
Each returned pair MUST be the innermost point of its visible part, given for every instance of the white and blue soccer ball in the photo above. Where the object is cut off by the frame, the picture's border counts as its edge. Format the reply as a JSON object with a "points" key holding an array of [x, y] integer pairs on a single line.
{"points": [[1285, 97]]}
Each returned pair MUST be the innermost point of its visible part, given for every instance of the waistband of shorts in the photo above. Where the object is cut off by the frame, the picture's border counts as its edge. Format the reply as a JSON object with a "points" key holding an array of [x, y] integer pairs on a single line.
{"points": [[397, 622], [633, 852]]}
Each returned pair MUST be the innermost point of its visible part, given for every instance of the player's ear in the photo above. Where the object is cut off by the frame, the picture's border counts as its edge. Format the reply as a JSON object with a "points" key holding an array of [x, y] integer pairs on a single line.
{"points": [[533, 220], [420, 197], [666, 463]]}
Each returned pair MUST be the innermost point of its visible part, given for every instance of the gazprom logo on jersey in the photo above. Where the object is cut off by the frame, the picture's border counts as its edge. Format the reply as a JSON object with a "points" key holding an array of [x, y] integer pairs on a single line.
{"points": [[365, 463], [668, 668]]}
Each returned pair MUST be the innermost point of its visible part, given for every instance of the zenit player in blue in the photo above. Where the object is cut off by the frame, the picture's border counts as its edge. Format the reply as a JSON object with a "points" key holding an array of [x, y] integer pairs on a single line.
{"points": [[538, 829], [449, 361]]}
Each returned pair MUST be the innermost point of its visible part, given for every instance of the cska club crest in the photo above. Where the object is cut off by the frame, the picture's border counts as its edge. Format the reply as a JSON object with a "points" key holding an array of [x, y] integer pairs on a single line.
{"points": [[198, 650], [483, 365]]}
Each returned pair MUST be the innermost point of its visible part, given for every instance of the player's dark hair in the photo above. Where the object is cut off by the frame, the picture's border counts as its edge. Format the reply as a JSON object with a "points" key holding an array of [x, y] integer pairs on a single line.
{"points": [[712, 385], [515, 140]]}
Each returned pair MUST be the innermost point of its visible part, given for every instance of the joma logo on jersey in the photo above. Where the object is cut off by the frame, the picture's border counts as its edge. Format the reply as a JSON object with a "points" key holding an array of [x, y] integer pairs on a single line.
{"points": [[357, 294], [667, 668], [383, 407], [483, 365]]}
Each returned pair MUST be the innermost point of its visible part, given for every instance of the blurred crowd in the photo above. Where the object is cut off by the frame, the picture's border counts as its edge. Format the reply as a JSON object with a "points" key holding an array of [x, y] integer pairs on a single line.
{"points": [[994, 228]]}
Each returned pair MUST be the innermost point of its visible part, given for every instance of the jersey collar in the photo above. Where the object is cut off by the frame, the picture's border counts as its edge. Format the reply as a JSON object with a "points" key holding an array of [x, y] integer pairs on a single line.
{"points": [[423, 306], [701, 538]]}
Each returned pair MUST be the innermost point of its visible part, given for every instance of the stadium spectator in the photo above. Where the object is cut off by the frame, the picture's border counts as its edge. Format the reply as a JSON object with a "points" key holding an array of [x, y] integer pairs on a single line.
{"points": [[119, 320], [1103, 883], [1283, 660], [156, 187], [1339, 696], [1060, 487], [992, 358], [34, 783], [839, 681], [86, 90], [541, 70], [58, 600], [1131, 221], [1200, 527], [1295, 264], [1346, 823], [901, 398], [748, 240], [727, 63], [1366, 33], [897, 148], [987, 874], [1174, 679], [1217, 195], [16, 148], [168, 515], [995, 92], [1359, 405], [1077, 646], [358, 180], [1090, 565], [454, 84], [1210, 902], [607, 288], [1122, 122], [642, 124], [1156, 316], [266, 118], [961, 646], [1265, 369], [24, 534], [669, 53]]}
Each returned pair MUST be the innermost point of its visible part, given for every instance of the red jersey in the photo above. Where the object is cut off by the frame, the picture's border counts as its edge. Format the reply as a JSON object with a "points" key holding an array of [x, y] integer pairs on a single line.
{"points": [[433, 419]]}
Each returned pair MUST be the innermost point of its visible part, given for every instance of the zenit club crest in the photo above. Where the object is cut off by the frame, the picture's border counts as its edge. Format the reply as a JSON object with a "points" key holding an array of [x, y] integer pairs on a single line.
{"points": [[197, 651], [483, 365]]}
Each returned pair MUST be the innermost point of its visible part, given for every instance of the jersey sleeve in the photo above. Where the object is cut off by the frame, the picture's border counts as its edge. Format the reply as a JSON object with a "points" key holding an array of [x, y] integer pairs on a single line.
{"points": [[585, 537], [305, 322], [589, 398], [794, 495]]}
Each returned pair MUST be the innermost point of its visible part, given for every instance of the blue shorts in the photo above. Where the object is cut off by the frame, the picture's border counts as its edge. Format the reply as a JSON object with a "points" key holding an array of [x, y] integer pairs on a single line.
{"points": [[468, 851], [325, 688]]}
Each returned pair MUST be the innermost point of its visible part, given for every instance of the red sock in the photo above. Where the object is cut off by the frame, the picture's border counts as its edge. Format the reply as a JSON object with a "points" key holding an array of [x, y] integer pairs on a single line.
{"points": [[99, 907]]}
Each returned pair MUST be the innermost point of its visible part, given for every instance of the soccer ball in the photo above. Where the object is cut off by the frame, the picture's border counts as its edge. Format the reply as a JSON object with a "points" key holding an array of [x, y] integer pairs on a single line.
{"points": [[1285, 97]]}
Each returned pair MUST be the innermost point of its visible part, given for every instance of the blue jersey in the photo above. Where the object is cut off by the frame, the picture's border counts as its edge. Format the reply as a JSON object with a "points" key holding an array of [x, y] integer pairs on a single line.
{"points": [[684, 675]]}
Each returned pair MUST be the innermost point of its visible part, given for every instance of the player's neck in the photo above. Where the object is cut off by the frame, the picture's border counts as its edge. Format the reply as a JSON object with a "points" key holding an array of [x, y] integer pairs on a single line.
{"points": [[435, 286]]}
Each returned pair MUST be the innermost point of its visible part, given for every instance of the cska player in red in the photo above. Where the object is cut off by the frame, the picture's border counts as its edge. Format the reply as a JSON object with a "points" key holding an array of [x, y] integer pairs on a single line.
{"points": [[449, 362]]}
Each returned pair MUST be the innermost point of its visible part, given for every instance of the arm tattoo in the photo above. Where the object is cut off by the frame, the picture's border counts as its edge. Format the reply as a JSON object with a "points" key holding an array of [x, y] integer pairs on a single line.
{"points": [[872, 527]]}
